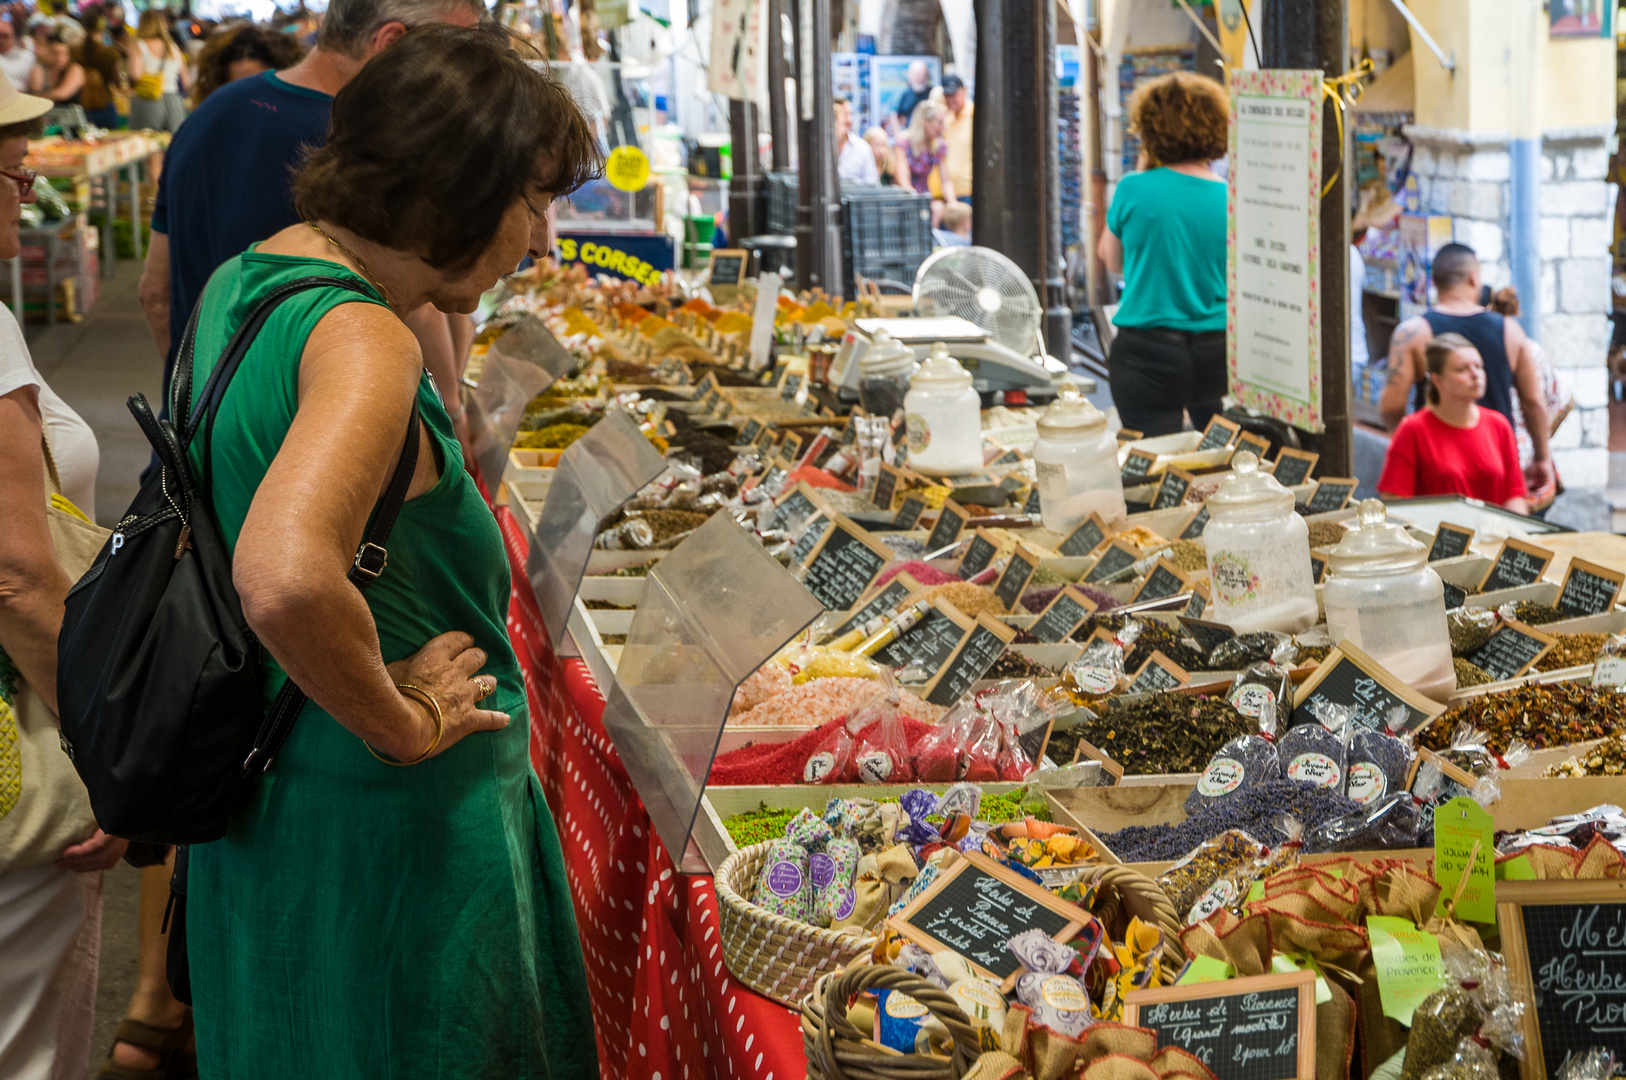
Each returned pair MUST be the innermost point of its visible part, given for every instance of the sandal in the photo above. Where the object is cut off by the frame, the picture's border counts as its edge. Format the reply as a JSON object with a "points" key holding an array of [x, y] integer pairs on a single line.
{"points": [[177, 1060]]}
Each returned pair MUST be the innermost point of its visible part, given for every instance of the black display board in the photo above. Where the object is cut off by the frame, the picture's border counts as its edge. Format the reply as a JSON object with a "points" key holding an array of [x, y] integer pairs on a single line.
{"points": [[1062, 616], [1163, 581], [885, 602], [1015, 577], [843, 564], [1332, 493], [1208, 635], [1518, 563], [1449, 542], [1137, 466], [1318, 567], [1218, 434], [749, 433], [726, 267], [976, 906], [1199, 601], [908, 515], [1247, 440], [790, 448], [1588, 589], [977, 653], [1194, 528], [1293, 467], [1089, 535], [791, 387], [1350, 678], [950, 523], [1260, 1028], [1158, 673], [1171, 491], [1030, 505], [1511, 650], [930, 643], [1114, 560], [793, 509], [886, 486], [978, 554], [808, 540], [1128, 435], [1455, 596], [1009, 457]]}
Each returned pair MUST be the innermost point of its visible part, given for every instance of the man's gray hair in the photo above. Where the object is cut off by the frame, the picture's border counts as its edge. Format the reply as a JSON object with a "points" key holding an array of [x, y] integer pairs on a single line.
{"points": [[349, 24]]}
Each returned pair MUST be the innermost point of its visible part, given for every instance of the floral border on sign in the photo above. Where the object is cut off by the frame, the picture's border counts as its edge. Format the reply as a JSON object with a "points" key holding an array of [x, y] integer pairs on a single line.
{"points": [[1304, 85]]}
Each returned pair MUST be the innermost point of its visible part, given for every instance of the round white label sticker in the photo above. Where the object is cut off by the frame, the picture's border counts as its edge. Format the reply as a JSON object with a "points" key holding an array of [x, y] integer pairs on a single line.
{"points": [[818, 767], [1253, 700], [1223, 776], [1223, 893], [1063, 992], [977, 993], [1367, 782], [1318, 769], [903, 1007], [875, 766], [1095, 680]]}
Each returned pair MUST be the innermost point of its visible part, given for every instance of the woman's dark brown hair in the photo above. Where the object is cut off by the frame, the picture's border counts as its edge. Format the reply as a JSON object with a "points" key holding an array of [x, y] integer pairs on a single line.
{"points": [[1437, 353], [1180, 118], [436, 139], [248, 41]]}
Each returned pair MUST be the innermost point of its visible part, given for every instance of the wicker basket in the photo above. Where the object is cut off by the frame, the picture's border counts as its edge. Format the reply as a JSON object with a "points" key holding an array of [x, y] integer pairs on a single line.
{"points": [[836, 1050], [1127, 893], [777, 957]]}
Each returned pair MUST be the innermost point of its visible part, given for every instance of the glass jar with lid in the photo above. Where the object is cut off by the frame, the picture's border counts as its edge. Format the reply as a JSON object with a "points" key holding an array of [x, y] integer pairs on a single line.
{"points": [[944, 417], [1077, 463], [1383, 598], [884, 372], [1258, 553]]}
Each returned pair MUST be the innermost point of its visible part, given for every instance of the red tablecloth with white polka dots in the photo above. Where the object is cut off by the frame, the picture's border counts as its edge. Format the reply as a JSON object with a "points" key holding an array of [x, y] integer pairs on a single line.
{"points": [[664, 1004]]}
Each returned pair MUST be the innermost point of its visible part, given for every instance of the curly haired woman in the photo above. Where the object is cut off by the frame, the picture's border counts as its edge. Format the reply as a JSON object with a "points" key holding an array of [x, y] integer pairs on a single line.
{"points": [[1166, 234]]}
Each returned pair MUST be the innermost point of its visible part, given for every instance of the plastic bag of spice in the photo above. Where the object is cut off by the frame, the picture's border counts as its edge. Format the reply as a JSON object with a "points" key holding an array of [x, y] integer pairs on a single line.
{"points": [[1469, 628], [1379, 762], [1594, 1063], [1244, 649], [1611, 665], [880, 752], [1215, 857], [1237, 766], [1100, 668], [1264, 689], [1317, 751], [1443, 1019], [939, 753], [1020, 707], [1390, 823], [1471, 1061], [983, 744]]}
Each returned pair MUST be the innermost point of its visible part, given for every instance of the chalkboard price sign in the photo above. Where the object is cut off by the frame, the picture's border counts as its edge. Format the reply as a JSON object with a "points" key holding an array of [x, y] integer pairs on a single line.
{"points": [[1351, 678], [978, 554], [1137, 466], [1172, 491], [791, 447], [889, 599], [1332, 493], [932, 641], [1449, 542], [976, 906], [1128, 435], [1293, 467], [812, 533], [1518, 563], [793, 508], [1199, 601], [1511, 650], [1158, 673], [1194, 528], [765, 441], [908, 515], [1247, 440], [1260, 1028], [1063, 615], [1218, 434], [1208, 635], [1117, 558], [1566, 940], [749, 433], [1455, 596], [1030, 505], [886, 486], [1018, 571], [950, 523], [1164, 581], [1009, 457], [791, 387], [982, 646], [726, 267], [1318, 567], [1588, 589], [843, 563], [1089, 535]]}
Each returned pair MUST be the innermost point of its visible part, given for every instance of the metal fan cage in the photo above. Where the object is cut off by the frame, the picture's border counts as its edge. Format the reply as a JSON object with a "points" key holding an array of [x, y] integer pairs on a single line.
{"points": [[984, 287]]}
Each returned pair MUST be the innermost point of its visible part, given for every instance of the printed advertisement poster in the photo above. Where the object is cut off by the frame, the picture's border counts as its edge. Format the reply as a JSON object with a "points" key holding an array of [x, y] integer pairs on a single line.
{"points": [[1273, 303], [735, 28]]}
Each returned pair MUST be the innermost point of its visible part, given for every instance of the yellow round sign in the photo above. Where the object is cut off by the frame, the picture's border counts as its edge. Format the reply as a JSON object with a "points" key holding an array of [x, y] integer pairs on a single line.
{"points": [[627, 169]]}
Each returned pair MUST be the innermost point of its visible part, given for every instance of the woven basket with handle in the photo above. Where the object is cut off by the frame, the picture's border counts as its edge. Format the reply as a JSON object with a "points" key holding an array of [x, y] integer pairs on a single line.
{"points": [[777, 957], [836, 1050], [1126, 894]]}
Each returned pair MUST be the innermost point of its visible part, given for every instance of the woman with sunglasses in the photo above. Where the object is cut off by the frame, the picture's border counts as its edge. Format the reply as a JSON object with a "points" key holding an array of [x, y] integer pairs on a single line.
{"points": [[51, 853]]}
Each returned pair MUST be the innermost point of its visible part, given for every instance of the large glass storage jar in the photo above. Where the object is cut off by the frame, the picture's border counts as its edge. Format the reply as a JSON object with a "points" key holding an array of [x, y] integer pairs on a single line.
{"points": [[1077, 463], [1258, 553], [1383, 598], [884, 372], [944, 417]]}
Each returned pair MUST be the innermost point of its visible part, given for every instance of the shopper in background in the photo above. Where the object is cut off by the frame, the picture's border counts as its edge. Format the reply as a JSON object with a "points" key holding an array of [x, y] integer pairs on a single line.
{"points": [[361, 919], [880, 145], [1558, 400], [1166, 233], [920, 152], [957, 134], [1503, 347], [104, 71], [854, 162], [157, 76], [57, 76], [1453, 446], [955, 230], [50, 897], [240, 52], [16, 61], [919, 88], [226, 182]]}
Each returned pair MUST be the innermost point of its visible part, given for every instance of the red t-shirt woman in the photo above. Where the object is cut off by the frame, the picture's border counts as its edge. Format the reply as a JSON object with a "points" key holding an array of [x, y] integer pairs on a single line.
{"points": [[1453, 447]]}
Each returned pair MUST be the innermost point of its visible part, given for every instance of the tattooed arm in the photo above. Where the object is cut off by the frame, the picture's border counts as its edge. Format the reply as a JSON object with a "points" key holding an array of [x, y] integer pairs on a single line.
{"points": [[1405, 368]]}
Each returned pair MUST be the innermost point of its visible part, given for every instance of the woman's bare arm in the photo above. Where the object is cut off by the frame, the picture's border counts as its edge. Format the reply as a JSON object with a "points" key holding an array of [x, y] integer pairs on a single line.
{"points": [[1111, 251], [357, 379], [32, 583]]}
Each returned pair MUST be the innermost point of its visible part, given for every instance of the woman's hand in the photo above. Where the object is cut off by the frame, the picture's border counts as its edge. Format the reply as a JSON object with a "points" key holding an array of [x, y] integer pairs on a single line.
{"points": [[98, 852], [445, 669]]}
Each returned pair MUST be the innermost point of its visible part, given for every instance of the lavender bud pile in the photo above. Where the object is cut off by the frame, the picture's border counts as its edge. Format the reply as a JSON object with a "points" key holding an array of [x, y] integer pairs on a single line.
{"points": [[1253, 810]]}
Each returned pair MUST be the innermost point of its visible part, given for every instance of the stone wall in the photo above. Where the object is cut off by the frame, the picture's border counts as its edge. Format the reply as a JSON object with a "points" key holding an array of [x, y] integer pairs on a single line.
{"points": [[1466, 175]]}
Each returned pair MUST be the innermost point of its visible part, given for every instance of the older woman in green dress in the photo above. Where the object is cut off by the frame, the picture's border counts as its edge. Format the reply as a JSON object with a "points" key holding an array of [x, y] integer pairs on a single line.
{"points": [[392, 903]]}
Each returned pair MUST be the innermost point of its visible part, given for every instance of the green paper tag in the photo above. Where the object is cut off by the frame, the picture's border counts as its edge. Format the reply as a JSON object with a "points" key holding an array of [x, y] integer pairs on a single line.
{"points": [[1282, 964], [1517, 868], [1457, 825], [1408, 964], [1256, 891], [1205, 969]]}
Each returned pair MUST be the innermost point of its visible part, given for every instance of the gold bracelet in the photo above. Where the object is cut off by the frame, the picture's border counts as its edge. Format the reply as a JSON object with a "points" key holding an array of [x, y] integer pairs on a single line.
{"points": [[426, 699]]}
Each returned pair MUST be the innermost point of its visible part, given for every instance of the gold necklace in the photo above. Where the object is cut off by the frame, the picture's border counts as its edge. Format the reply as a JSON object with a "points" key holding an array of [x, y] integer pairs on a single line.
{"points": [[371, 277]]}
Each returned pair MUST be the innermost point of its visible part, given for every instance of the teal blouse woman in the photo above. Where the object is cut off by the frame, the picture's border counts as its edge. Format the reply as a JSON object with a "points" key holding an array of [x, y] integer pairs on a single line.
{"points": [[392, 903]]}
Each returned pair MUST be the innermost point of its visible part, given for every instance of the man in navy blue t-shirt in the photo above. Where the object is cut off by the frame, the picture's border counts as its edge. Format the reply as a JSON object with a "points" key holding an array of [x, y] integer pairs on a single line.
{"points": [[228, 175]]}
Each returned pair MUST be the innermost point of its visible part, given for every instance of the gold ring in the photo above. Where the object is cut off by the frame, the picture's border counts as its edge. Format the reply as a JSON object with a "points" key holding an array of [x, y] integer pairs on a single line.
{"points": [[486, 688]]}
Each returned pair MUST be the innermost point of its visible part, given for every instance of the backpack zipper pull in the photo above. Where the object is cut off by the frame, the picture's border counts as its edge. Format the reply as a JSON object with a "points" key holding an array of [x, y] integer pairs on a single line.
{"points": [[185, 541]]}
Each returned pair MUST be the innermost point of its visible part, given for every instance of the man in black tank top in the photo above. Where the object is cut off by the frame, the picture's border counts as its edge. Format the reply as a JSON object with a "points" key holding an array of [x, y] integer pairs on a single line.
{"points": [[1502, 345]]}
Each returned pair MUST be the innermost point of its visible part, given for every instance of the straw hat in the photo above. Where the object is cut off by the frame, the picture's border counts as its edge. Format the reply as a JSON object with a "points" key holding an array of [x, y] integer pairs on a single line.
{"points": [[16, 107]]}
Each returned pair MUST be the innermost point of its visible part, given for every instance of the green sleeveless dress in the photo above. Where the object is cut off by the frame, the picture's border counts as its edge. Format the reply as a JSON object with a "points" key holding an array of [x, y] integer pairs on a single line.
{"points": [[361, 919]]}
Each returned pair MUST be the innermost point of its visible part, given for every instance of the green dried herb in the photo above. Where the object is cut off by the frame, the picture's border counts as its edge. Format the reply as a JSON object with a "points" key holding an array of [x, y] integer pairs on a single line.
{"points": [[1469, 674], [1533, 614], [1444, 1019], [765, 823], [1557, 714], [1161, 733]]}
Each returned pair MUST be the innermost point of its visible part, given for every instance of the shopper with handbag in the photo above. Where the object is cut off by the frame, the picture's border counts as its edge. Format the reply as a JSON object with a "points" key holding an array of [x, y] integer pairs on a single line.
{"points": [[157, 75], [51, 852]]}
